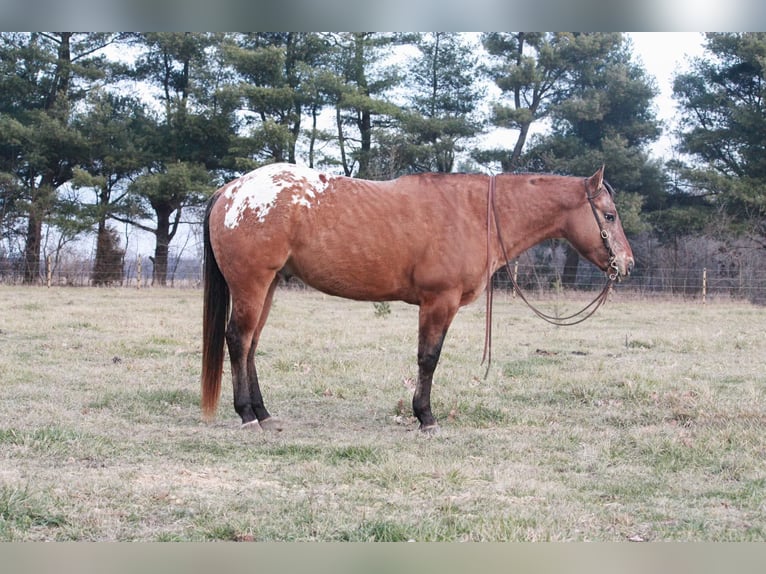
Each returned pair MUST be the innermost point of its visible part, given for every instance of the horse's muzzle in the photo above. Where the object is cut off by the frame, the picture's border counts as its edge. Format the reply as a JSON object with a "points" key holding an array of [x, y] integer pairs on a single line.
{"points": [[621, 268]]}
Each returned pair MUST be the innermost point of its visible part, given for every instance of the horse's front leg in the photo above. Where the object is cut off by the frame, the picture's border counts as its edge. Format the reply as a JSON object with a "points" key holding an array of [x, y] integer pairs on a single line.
{"points": [[435, 317]]}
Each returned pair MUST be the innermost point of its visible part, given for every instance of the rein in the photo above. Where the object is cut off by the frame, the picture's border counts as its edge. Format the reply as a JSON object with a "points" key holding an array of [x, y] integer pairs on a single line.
{"points": [[568, 321]]}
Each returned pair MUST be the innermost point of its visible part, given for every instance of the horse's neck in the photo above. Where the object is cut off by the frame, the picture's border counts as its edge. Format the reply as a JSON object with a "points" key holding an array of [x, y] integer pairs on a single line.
{"points": [[527, 215]]}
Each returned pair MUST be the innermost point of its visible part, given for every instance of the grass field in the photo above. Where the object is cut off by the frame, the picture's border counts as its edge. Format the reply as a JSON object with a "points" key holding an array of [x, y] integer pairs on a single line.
{"points": [[644, 423]]}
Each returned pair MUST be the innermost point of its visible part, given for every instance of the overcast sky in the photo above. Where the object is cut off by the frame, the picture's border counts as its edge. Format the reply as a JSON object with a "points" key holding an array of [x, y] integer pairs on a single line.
{"points": [[663, 55]]}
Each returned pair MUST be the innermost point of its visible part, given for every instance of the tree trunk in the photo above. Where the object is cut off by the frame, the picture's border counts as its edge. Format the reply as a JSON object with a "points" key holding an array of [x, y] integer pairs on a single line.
{"points": [[161, 249], [365, 127], [41, 199], [32, 248], [510, 164], [364, 116], [347, 171], [100, 273]]}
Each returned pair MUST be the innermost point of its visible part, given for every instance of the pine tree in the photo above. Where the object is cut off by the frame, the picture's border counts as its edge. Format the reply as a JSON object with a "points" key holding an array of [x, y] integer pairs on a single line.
{"points": [[724, 129], [361, 102], [111, 125], [44, 75], [442, 102], [187, 141]]}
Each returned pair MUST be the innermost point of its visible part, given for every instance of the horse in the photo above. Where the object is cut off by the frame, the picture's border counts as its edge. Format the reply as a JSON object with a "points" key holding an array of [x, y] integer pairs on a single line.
{"points": [[431, 239]]}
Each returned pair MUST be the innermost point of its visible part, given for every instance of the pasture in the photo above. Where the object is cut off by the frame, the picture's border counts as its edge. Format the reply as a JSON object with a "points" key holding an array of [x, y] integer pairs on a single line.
{"points": [[645, 423]]}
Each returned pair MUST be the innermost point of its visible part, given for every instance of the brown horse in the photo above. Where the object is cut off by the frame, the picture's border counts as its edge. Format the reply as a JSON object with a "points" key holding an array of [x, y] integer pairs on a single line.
{"points": [[432, 240]]}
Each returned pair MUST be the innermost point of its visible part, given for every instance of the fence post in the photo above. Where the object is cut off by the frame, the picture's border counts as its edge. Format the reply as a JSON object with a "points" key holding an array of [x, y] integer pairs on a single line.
{"points": [[138, 272], [515, 277], [704, 285], [48, 271]]}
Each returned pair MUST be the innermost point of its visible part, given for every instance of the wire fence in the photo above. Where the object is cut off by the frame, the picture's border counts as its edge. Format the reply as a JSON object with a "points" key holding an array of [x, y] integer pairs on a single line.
{"points": [[542, 278]]}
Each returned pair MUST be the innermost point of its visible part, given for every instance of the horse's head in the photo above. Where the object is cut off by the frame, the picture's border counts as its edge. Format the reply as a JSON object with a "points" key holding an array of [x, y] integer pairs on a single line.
{"points": [[595, 230]]}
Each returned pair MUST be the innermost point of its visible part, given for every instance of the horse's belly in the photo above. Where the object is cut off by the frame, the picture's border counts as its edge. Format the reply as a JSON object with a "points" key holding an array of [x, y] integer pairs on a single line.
{"points": [[357, 278]]}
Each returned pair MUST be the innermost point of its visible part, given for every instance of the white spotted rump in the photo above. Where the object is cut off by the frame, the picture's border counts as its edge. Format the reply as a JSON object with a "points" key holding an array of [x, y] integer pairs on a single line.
{"points": [[261, 189]]}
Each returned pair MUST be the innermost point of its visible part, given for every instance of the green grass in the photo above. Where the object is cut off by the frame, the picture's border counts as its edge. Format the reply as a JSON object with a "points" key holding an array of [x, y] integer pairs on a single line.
{"points": [[646, 422], [22, 512]]}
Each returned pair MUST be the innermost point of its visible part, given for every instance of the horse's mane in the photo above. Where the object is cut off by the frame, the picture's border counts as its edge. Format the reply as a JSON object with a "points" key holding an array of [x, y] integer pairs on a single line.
{"points": [[434, 174]]}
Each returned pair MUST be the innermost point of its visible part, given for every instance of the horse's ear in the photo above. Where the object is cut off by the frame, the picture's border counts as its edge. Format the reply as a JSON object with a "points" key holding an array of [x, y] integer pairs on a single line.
{"points": [[597, 179]]}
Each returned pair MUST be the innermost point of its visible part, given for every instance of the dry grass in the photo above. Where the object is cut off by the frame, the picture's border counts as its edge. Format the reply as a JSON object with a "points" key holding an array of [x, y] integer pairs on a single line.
{"points": [[644, 423]]}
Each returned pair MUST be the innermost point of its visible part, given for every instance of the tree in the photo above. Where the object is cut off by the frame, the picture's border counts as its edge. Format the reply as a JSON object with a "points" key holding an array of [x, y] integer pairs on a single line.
{"points": [[44, 76], [107, 268], [179, 186], [277, 80], [12, 212], [536, 74], [187, 140], [360, 99], [443, 97], [723, 128], [110, 126], [606, 120]]}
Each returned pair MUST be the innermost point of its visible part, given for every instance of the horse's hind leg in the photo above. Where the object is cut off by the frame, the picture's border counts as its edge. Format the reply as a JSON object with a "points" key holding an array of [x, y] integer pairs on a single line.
{"points": [[249, 313], [266, 421]]}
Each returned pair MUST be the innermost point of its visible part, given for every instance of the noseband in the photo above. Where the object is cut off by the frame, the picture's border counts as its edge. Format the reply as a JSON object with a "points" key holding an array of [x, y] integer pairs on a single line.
{"points": [[574, 319]]}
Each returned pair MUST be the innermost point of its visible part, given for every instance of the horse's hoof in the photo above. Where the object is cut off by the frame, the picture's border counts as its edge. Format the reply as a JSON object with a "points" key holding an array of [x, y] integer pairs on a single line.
{"points": [[251, 426], [271, 424], [430, 430]]}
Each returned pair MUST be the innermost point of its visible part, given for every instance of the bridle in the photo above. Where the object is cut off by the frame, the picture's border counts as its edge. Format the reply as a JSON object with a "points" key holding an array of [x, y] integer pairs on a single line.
{"points": [[604, 233], [574, 319]]}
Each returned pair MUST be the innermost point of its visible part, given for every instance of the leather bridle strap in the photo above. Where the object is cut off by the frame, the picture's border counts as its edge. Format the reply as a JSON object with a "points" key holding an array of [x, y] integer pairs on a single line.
{"points": [[604, 234], [487, 355], [573, 319]]}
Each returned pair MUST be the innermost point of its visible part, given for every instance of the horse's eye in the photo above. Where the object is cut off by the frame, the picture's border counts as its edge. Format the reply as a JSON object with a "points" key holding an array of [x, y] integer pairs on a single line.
{"points": [[610, 217]]}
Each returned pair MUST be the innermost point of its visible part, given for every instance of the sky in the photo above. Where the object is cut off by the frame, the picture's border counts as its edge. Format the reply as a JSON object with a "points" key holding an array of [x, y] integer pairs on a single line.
{"points": [[664, 54]]}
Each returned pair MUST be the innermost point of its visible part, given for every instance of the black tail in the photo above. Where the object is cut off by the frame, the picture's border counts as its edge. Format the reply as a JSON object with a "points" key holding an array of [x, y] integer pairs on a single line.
{"points": [[214, 316]]}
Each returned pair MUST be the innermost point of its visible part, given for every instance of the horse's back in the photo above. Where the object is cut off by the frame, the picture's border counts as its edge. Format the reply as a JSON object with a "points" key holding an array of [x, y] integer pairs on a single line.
{"points": [[348, 237]]}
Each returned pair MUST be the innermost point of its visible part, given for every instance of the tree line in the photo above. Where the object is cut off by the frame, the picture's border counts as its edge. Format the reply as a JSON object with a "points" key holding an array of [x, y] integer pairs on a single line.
{"points": [[140, 128]]}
